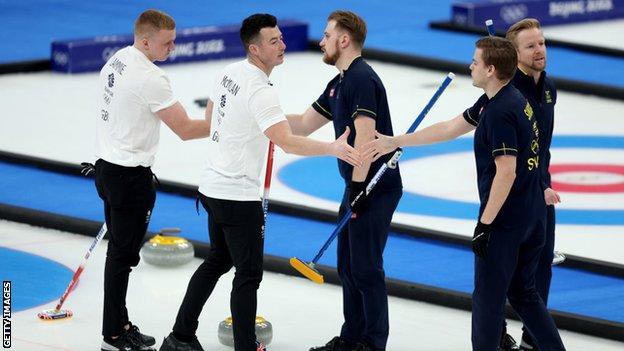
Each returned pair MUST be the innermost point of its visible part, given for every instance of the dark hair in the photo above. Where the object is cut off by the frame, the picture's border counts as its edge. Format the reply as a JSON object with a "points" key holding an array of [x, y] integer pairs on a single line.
{"points": [[151, 21], [500, 53], [352, 23], [253, 24]]}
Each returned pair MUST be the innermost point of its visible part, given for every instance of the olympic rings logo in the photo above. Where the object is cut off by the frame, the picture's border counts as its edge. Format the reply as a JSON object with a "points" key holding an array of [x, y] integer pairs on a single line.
{"points": [[60, 58], [514, 13]]}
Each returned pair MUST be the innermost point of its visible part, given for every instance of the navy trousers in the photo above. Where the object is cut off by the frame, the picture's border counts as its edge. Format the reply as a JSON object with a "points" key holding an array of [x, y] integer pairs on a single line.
{"points": [[508, 270], [543, 273], [360, 267]]}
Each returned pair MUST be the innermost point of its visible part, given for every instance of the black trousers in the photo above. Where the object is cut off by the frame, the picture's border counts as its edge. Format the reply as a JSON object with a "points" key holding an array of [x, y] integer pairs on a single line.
{"points": [[236, 239], [360, 268], [509, 270], [129, 195]]}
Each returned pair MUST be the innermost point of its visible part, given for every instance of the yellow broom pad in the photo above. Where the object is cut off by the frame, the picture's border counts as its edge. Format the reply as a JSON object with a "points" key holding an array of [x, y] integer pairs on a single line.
{"points": [[307, 270]]}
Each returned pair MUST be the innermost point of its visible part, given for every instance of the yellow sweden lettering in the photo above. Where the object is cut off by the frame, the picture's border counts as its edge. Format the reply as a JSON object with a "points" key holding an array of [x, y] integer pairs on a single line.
{"points": [[533, 163]]}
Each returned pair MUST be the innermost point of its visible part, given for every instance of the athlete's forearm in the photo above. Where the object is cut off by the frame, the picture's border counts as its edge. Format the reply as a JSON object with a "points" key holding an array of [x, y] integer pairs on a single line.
{"points": [[436, 133], [299, 145], [499, 191], [296, 124], [195, 129], [362, 137]]}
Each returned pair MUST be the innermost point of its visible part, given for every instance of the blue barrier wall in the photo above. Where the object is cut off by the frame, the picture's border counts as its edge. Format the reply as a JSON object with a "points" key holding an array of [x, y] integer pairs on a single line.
{"points": [[506, 12], [192, 44], [402, 26]]}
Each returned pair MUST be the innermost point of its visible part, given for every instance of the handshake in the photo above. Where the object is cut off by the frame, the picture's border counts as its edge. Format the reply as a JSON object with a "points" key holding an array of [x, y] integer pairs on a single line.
{"points": [[359, 192], [369, 152]]}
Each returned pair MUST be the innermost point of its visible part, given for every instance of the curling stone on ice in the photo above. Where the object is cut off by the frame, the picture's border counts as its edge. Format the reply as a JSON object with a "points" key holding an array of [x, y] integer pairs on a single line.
{"points": [[264, 331], [169, 251]]}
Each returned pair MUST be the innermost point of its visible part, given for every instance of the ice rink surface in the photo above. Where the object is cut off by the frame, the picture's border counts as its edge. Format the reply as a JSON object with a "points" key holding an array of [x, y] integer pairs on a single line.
{"points": [[52, 115], [303, 314]]}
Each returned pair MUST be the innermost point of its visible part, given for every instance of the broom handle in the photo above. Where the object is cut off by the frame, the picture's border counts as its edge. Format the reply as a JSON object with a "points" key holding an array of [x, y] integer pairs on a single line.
{"points": [[390, 164], [78, 272]]}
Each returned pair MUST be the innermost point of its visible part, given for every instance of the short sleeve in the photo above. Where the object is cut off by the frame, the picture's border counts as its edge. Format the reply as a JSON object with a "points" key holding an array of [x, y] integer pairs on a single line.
{"points": [[554, 92], [363, 98], [472, 114], [158, 93], [503, 133], [214, 91], [265, 107], [321, 105]]}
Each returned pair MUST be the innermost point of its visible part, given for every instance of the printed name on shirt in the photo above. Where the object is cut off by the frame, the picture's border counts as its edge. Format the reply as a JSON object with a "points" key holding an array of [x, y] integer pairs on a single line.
{"points": [[230, 85], [118, 66], [220, 109]]}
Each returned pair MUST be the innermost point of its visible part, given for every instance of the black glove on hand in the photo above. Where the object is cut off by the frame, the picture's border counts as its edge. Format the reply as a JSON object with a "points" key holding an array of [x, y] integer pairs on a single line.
{"points": [[480, 239], [87, 168], [359, 205]]}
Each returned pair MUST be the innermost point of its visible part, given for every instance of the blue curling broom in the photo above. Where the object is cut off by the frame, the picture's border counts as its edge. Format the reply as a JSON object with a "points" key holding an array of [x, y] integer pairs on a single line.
{"points": [[308, 270]]}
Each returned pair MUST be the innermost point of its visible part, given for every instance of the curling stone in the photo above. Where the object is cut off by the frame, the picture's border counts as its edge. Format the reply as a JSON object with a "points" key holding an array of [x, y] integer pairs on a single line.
{"points": [[167, 251], [558, 258], [264, 331]]}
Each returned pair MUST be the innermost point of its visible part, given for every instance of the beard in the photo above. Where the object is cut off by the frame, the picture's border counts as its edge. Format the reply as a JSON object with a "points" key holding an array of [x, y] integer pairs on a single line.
{"points": [[331, 59], [535, 65], [539, 66]]}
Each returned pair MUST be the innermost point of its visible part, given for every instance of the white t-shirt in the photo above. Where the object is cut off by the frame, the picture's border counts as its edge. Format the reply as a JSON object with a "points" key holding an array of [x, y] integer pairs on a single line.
{"points": [[132, 89], [245, 105]]}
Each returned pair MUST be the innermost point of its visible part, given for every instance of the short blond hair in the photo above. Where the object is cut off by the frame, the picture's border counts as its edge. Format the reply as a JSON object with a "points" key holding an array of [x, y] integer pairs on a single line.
{"points": [[516, 28], [151, 21]]}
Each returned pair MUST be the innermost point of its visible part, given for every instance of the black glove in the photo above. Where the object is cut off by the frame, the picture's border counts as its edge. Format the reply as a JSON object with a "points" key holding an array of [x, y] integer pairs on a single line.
{"points": [[359, 205], [481, 238], [87, 168]]}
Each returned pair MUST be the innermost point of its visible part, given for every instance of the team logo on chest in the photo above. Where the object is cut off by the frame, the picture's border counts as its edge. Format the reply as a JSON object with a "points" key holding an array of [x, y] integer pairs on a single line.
{"points": [[331, 92], [220, 112], [528, 111], [111, 80], [548, 97]]}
